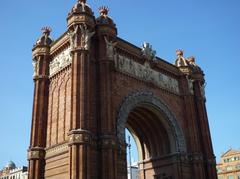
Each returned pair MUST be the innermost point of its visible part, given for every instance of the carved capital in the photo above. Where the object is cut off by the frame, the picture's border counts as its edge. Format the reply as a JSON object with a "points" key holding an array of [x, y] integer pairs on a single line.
{"points": [[36, 153], [40, 50], [80, 137]]}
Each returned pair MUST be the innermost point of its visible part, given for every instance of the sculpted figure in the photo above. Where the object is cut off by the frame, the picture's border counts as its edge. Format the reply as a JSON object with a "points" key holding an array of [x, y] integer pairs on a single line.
{"points": [[72, 36], [148, 52], [85, 37], [35, 67], [110, 47]]}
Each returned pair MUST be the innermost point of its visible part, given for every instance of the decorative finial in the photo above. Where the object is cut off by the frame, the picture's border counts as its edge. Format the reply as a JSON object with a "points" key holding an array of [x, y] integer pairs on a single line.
{"points": [[103, 10], [181, 61], [46, 30], [191, 59], [45, 39], [82, 1], [192, 63], [179, 53]]}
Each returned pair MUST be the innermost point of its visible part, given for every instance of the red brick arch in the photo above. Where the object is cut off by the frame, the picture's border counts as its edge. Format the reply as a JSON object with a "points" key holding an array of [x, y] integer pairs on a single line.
{"points": [[148, 100]]}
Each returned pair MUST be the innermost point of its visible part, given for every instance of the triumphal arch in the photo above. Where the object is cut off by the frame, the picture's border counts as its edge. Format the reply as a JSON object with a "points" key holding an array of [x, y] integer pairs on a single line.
{"points": [[90, 85]]}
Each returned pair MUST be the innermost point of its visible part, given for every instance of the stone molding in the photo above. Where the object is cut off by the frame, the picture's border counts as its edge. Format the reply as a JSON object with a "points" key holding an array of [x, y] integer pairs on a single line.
{"points": [[56, 150], [144, 97]]}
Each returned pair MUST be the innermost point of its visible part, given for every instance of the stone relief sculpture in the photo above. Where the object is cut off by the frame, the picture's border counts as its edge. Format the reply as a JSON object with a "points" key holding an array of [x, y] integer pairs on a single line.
{"points": [[202, 88], [72, 37], [35, 64], [181, 61], [190, 85], [148, 52], [110, 47], [60, 61], [146, 73], [86, 36]]}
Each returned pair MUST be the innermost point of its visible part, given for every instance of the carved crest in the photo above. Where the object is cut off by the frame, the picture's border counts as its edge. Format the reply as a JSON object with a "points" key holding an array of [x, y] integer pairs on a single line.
{"points": [[148, 52]]}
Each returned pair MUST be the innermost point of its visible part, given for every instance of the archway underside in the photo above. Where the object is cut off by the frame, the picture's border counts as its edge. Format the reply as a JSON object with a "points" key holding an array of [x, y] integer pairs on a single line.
{"points": [[154, 141], [149, 133]]}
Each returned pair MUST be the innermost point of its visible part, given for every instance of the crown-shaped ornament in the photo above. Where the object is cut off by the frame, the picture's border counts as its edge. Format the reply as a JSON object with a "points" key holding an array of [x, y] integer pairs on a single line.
{"points": [[179, 52], [46, 30], [103, 10]]}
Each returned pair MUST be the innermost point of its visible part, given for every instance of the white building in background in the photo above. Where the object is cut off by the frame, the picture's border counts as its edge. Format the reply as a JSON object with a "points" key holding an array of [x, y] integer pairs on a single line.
{"points": [[10, 171], [134, 172]]}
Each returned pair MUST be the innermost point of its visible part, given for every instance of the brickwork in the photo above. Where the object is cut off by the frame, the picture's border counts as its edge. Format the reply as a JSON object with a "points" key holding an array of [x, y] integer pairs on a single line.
{"points": [[90, 85], [59, 108]]}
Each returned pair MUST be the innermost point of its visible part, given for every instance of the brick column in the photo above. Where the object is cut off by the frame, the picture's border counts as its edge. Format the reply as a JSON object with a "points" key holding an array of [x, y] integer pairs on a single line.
{"points": [[208, 154], [80, 135], [107, 134], [36, 152], [191, 124]]}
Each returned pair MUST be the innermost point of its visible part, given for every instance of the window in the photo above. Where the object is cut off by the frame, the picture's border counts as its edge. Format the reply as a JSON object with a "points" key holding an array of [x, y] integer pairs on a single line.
{"points": [[230, 177], [229, 168], [219, 170]]}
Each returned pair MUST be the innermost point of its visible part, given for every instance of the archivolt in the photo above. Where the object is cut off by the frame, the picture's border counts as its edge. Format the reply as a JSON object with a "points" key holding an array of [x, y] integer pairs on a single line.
{"points": [[136, 99]]}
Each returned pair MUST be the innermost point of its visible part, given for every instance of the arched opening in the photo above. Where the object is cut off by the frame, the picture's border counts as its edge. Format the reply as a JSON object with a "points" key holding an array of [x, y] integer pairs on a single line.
{"points": [[157, 134]]}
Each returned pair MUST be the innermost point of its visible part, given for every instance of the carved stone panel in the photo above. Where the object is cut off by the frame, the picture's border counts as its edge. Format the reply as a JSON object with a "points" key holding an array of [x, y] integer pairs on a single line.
{"points": [[146, 73], [60, 61]]}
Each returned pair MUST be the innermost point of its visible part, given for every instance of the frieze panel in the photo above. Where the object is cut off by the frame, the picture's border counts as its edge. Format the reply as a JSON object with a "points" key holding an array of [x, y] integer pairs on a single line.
{"points": [[60, 61], [56, 150], [146, 73]]}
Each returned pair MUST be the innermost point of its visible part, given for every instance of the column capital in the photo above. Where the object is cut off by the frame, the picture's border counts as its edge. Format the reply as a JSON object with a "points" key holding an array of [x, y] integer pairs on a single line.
{"points": [[80, 137], [36, 153]]}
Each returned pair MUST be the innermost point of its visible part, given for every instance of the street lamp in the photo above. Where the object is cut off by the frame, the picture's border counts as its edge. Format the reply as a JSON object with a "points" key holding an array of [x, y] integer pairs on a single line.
{"points": [[130, 161]]}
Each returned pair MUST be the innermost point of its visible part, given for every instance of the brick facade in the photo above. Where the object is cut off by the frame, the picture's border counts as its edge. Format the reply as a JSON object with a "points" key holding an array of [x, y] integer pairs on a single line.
{"points": [[90, 85]]}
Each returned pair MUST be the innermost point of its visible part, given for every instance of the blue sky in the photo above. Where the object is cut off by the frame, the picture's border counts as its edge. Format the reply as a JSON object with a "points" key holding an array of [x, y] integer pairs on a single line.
{"points": [[207, 29]]}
